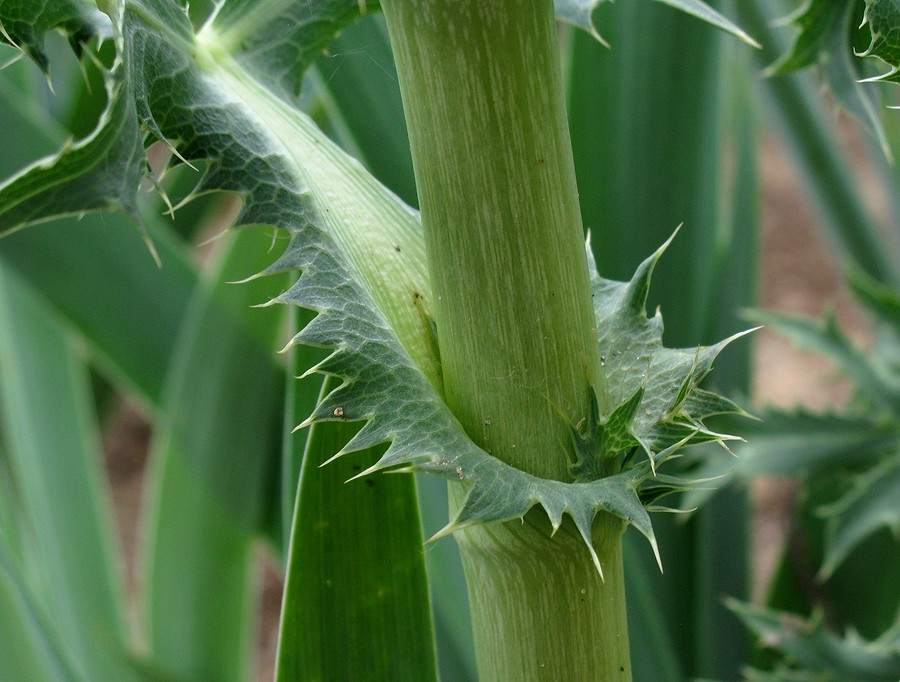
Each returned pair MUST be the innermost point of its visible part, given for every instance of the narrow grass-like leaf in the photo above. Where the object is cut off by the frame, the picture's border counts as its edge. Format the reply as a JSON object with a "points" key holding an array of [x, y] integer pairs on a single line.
{"points": [[645, 624], [54, 448], [356, 602], [213, 460], [92, 271], [301, 395], [29, 649]]}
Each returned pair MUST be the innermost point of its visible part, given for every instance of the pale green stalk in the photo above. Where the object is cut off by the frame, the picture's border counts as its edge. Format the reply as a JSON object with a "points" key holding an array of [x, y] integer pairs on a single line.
{"points": [[484, 104]]}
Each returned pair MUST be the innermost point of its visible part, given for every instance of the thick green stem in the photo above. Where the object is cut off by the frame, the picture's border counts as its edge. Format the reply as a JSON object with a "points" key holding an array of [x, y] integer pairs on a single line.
{"points": [[484, 103]]}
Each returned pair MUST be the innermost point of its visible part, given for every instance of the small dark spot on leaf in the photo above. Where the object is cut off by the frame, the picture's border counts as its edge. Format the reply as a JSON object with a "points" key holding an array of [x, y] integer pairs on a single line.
{"points": [[370, 483], [357, 467], [540, 162], [621, 668], [397, 249]]}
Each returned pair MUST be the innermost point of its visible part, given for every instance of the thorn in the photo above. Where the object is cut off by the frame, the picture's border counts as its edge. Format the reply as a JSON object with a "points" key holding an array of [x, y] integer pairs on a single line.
{"points": [[337, 455], [148, 240], [181, 204], [10, 40], [251, 278], [309, 421], [656, 553], [12, 60], [599, 38], [267, 304], [449, 529], [555, 524], [175, 152], [217, 236], [312, 370], [371, 470], [596, 560]]}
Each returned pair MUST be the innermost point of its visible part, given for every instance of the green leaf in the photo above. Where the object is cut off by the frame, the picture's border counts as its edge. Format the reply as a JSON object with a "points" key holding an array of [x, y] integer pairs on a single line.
{"points": [[102, 171], [635, 124], [213, 460], [872, 502], [706, 13], [882, 300], [382, 385], [634, 358], [91, 271], [24, 25], [871, 380], [803, 444], [54, 448], [364, 271], [580, 13], [883, 20], [816, 21], [830, 658], [825, 38], [280, 38], [29, 649], [355, 580]]}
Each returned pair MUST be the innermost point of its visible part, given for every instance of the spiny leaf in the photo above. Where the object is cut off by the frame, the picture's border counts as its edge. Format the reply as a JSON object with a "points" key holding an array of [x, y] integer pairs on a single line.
{"points": [[100, 172], [404, 409], [278, 39], [634, 359], [883, 19], [872, 502], [872, 381], [706, 13], [816, 21], [806, 643], [601, 439], [24, 25], [363, 261], [800, 443], [580, 13], [826, 38]]}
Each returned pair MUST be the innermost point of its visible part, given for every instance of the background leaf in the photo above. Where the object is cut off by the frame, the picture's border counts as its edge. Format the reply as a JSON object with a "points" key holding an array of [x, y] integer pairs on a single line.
{"points": [[213, 463], [53, 444]]}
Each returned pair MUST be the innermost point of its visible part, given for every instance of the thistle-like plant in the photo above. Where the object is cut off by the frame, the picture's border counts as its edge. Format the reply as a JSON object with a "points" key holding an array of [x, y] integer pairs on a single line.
{"points": [[483, 347]]}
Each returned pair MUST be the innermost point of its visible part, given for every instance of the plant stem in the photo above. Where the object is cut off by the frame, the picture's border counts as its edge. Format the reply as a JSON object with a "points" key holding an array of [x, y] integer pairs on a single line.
{"points": [[483, 99]]}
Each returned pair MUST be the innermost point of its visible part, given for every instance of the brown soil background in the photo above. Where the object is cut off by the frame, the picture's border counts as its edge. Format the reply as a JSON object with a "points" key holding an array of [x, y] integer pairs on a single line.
{"points": [[798, 275]]}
